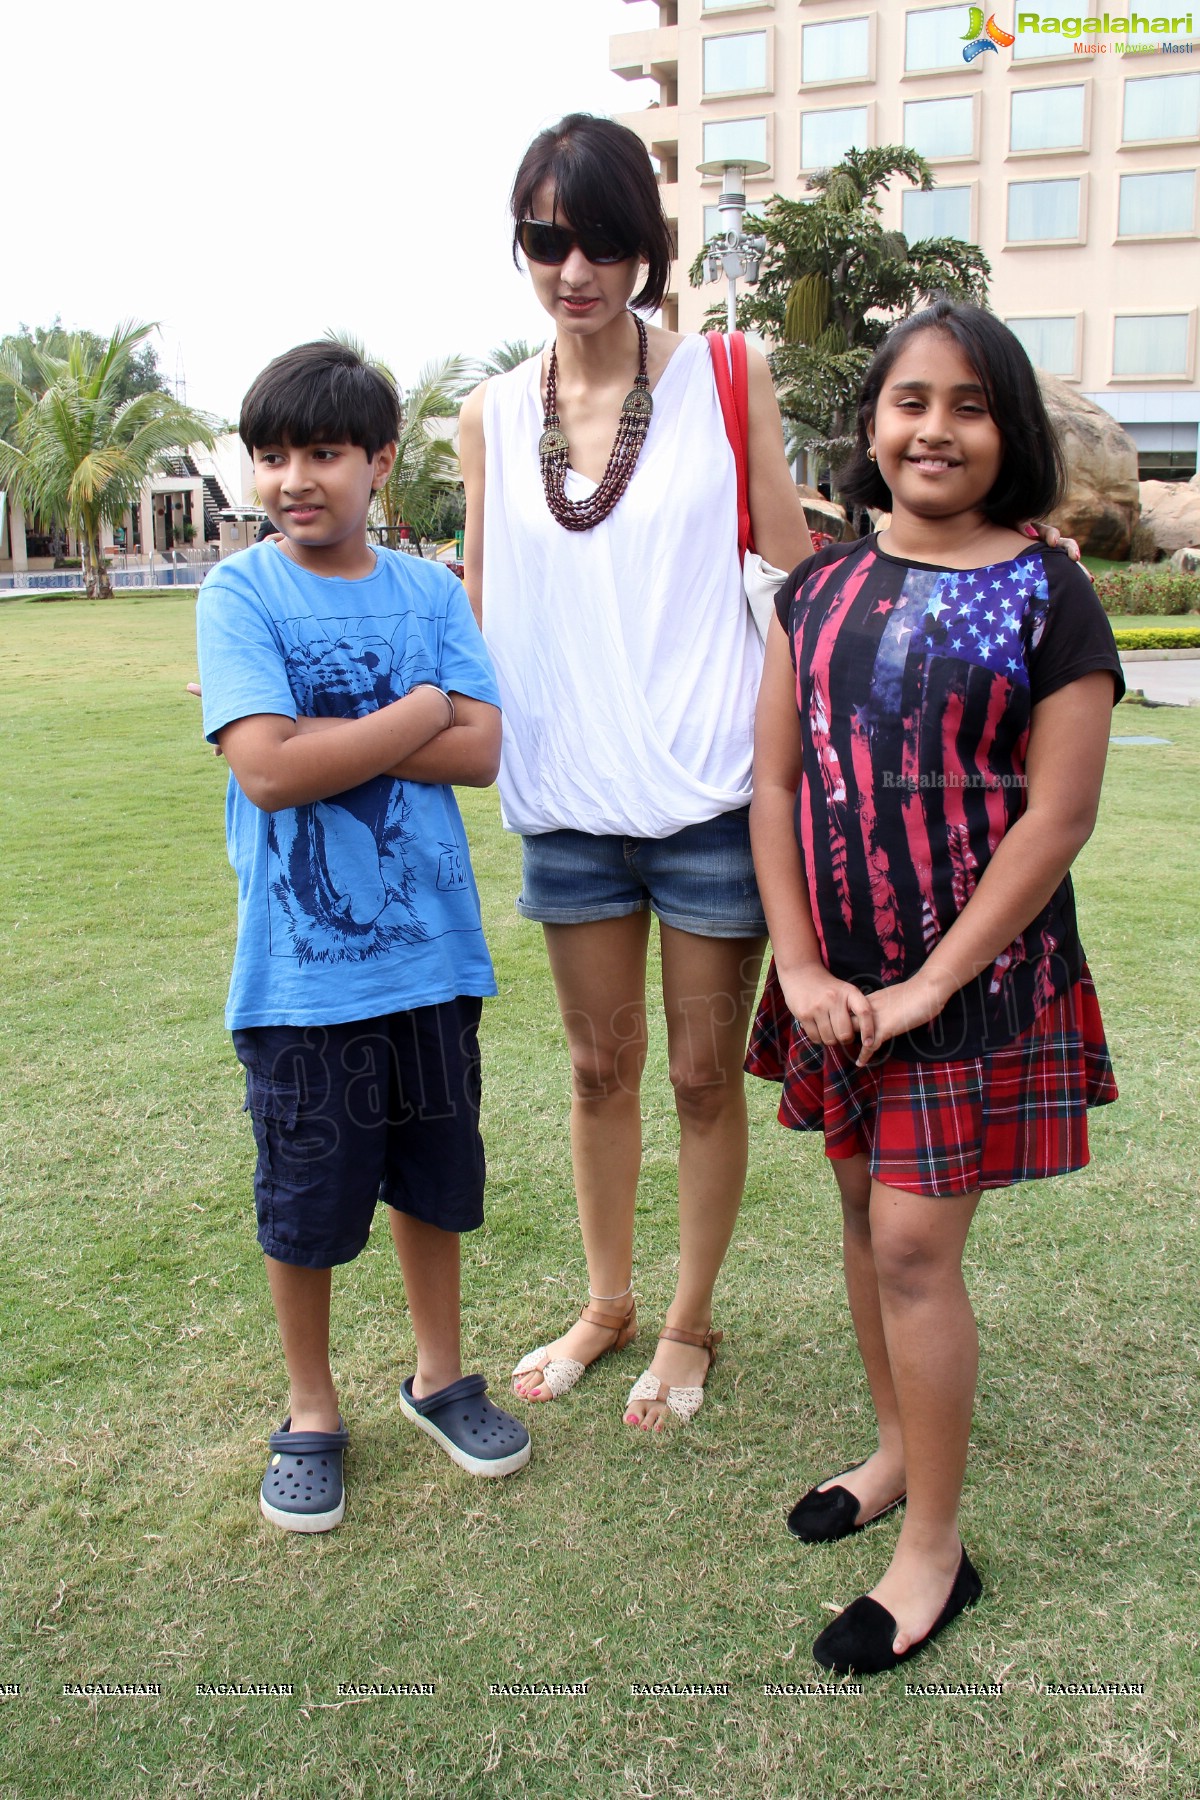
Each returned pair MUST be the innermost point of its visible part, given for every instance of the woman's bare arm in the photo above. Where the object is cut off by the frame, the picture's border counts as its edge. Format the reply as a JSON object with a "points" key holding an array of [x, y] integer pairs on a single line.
{"points": [[470, 459], [776, 510]]}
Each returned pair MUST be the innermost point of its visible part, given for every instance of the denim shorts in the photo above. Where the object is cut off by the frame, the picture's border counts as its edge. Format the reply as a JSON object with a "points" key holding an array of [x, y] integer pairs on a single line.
{"points": [[700, 879], [347, 1115]]}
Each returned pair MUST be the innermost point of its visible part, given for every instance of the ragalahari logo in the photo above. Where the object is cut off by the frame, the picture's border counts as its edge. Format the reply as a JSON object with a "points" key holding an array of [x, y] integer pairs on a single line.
{"points": [[984, 37]]}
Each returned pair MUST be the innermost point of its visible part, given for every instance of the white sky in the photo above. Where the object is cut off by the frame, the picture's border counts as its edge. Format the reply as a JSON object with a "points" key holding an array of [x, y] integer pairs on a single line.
{"points": [[321, 163]]}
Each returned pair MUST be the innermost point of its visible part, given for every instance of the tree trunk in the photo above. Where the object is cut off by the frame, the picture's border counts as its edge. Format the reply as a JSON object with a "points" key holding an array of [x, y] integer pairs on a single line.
{"points": [[98, 585], [89, 567]]}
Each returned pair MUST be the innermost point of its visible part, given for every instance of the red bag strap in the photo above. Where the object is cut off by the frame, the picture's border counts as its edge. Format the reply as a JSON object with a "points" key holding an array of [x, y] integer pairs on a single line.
{"points": [[733, 391]]}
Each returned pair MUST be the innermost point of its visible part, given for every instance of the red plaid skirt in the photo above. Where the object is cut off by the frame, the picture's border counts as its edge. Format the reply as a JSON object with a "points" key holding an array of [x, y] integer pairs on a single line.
{"points": [[1015, 1114]]}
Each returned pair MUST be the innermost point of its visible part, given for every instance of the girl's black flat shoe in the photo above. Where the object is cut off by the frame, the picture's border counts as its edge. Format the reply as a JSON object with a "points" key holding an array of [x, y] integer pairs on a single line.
{"points": [[822, 1517], [859, 1641]]}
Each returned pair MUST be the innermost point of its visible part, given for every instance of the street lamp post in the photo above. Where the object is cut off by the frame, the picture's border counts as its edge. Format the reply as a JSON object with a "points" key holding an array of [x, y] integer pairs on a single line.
{"points": [[731, 253]]}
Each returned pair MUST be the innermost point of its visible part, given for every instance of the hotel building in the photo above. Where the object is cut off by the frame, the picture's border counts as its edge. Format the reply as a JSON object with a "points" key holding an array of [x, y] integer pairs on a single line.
{"points": [[1071, 161]]}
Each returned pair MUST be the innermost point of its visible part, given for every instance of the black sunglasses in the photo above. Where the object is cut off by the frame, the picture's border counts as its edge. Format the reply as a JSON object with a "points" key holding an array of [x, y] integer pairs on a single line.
{"points": [[544, 242]]}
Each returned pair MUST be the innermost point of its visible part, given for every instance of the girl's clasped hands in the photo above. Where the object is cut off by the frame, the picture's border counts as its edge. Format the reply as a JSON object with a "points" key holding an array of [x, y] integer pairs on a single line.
{"points": [[836, 1012]]}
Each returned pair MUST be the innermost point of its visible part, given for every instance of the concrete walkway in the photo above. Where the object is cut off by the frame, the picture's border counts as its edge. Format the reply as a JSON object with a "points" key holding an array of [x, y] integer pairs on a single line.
{"points": [[1174, 683]]}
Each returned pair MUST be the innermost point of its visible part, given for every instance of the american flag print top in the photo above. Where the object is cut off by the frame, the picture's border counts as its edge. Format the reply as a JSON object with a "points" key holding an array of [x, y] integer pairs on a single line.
{"points": [[915, 688]]}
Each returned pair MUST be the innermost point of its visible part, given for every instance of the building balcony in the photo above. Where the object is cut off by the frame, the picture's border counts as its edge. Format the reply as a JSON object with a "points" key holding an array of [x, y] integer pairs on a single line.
{"points": [[655, 125], [642, 55]]}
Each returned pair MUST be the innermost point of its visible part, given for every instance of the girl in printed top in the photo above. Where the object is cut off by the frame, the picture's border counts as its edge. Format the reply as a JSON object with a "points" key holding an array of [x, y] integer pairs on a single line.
{"points": [[929, 747]]}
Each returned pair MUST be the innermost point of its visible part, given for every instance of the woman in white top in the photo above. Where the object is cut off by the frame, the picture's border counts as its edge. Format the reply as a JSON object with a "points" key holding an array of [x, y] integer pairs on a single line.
{"points": [[602, 560]]}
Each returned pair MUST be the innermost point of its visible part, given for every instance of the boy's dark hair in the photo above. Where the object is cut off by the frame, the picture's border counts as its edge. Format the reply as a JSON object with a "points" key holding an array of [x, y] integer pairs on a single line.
{"points": [[1032, 474], [603, 177], [320, 393]]}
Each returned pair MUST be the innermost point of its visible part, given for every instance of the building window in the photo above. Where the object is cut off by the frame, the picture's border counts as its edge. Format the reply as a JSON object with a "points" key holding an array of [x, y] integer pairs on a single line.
{"points": [[1046, 119], [1043, 211], [1157, 205], [1161, 106], [839, 51], [735, 65], [1041, 43], [720, 6], [933, 40], [825, 137], [943, 212], [736, 140], [1049, 343], [940, 128], [1151, 344]]}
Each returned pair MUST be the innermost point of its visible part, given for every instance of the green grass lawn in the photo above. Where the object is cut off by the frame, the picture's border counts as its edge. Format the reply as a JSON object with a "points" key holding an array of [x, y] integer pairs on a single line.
{"points": [[142, 1373], [45, 595]]}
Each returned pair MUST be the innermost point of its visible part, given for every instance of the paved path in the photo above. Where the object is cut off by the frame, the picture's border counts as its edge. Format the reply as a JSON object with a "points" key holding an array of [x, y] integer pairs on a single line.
{"points": [[1172, 683]]}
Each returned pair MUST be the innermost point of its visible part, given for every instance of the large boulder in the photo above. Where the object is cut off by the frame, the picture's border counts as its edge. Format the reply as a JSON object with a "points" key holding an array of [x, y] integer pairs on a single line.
{"points": [[825, 515], [1170, 520], [1101, 504], [1187, 561]]}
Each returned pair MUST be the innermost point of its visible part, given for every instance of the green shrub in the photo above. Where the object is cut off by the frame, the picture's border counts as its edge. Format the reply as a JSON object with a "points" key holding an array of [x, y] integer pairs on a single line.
{"points": [[1146, 588], [1187, 637]]}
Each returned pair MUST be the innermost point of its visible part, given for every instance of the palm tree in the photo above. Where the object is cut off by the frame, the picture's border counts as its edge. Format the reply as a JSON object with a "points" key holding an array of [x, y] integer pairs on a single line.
{"points": [[426, 466], [78, 452], [833, 279], [508, 355]]}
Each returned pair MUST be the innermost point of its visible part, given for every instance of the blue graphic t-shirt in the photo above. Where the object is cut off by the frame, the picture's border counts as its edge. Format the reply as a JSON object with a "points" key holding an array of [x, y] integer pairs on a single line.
{"points": [[363, 903]]}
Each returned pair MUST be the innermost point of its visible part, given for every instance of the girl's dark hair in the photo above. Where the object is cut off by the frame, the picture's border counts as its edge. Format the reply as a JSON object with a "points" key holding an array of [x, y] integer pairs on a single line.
{"points": [[602, 177], [1032, 474], [320, 393]]}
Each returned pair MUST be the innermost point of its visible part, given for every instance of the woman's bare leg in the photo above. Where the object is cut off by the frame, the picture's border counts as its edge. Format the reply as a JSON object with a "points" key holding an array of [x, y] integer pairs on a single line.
{"points": [[709, 986], [600, 977]]}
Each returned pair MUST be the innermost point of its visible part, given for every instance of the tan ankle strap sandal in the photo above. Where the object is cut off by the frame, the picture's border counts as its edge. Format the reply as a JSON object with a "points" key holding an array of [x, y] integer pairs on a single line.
{"points": [[560, 1373], [684, 1402]]}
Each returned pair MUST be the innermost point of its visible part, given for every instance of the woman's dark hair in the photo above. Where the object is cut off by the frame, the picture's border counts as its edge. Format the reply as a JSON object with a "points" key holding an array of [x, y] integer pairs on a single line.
{"points": [[603, 177], [320, 393], [1032, 472]]}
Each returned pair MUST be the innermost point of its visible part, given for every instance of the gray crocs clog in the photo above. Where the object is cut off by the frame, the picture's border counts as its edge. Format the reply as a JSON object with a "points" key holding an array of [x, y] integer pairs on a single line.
{"points": [[472, 1431], [302, 1489]]}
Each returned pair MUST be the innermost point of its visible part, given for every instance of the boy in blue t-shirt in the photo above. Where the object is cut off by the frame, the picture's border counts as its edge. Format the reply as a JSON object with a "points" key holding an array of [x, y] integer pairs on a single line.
{"points": [[347, 687]]}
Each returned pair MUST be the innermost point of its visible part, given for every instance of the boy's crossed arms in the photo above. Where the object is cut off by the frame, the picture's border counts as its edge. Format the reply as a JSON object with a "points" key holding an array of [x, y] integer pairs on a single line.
{"points": [[280, 762]]}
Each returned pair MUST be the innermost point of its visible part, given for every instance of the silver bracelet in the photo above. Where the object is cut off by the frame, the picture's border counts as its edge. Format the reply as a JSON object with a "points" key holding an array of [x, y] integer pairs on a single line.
{"points": [[445, 696]]}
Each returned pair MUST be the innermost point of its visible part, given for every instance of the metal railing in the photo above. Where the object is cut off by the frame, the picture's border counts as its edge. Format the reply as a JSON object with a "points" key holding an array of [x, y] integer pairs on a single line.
{"points": [[172, 568]]}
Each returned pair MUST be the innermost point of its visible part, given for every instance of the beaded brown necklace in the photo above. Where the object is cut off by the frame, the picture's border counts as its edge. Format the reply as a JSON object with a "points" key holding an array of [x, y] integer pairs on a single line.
{"points": [[636, 408]]}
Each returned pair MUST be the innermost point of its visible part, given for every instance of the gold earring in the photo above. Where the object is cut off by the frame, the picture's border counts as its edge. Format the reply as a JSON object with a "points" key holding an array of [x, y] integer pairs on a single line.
{"points": [[871, 457]]}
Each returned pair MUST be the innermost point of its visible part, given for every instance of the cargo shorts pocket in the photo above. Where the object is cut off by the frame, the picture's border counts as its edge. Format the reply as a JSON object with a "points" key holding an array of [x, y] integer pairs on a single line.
{"points": [[298, 1128], [274, 1108]]}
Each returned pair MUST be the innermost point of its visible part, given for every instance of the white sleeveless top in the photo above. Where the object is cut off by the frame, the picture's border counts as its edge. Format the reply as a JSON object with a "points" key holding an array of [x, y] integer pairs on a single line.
{"points": [[627, 658]]}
